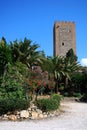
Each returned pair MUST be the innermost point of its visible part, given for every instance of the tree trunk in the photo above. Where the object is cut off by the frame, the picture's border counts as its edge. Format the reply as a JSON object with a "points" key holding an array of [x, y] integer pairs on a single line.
{"points": [[66, 83], [56, 86]]}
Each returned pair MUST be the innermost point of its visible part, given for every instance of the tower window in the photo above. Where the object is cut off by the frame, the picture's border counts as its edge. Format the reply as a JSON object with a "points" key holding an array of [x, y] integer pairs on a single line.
{"points": [[62, 43]]}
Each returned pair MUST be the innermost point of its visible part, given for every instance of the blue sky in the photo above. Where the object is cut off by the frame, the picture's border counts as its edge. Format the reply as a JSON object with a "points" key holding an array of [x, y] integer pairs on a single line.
{"points": [[34, 19]]}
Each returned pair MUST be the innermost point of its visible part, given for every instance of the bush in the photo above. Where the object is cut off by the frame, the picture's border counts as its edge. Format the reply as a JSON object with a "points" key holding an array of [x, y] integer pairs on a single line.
{"points": [[10, 105], [77, 94], [66, 94], [13, 83], [47, 104], [84, 98], [13, 92], [57, 97]]}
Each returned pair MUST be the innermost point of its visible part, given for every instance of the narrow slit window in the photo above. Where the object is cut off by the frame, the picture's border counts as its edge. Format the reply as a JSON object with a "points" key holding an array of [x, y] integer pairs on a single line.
{"points": [[62, 43]]}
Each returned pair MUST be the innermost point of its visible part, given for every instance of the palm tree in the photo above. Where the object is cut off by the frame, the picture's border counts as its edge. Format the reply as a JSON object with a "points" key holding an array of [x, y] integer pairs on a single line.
{"points": [[26, 53], [54, 65], [62, 69]]}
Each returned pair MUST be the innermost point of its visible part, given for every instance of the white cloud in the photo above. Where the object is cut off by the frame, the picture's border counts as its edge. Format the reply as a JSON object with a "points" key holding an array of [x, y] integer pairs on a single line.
{"points": [[83, 61]]}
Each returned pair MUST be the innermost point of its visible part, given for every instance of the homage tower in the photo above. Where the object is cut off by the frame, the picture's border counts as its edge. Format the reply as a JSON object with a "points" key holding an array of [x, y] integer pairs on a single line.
{"points": [[64, 38]]}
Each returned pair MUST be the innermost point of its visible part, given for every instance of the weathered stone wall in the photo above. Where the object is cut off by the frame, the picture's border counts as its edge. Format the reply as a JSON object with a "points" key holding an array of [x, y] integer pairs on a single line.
{"points": [[64, 38]]}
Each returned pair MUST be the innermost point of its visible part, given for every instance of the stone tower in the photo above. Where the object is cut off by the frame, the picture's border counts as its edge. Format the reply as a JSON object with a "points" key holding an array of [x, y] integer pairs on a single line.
{"points": [[64, 38]]}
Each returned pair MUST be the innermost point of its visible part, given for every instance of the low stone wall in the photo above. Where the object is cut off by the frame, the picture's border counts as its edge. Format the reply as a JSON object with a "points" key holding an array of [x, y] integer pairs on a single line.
{"points": [[31, 113]]}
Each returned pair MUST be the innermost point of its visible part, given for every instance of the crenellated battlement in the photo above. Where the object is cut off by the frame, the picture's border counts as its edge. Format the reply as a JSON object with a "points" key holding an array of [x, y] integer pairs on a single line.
{"points": [[65, 23]]}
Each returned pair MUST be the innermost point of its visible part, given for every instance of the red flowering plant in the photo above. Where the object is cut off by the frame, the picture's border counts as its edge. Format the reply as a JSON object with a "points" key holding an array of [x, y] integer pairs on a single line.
{"points": [[51, 85], [36, 86], [39, 83], [35, 81]]}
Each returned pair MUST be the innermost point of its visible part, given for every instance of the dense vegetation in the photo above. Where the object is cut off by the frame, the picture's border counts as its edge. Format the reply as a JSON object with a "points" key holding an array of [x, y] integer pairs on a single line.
{"points": [[26, 72]]}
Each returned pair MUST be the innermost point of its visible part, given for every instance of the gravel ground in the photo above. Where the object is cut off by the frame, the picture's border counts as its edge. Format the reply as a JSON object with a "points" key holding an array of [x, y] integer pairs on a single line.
{"points": [[74, 118]]}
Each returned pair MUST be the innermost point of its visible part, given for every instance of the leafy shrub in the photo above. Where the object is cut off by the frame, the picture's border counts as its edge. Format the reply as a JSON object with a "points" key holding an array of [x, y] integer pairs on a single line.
{"points": [[12, 83], [47, 104], [77, 94], [57, 97], [10, 105], [66, 94], [13, 92], [61, 88], [84, 98]]}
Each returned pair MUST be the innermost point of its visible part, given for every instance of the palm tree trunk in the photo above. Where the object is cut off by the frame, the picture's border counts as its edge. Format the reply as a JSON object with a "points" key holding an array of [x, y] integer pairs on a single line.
{"points": [[56, 86], [66, 83]]}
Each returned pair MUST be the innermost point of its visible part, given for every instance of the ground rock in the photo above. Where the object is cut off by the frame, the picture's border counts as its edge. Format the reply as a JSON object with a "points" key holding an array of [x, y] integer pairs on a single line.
{"points": [[24, 114], [45, 116], [12, 117], [41, 116], [39, 111], [34, 115]]}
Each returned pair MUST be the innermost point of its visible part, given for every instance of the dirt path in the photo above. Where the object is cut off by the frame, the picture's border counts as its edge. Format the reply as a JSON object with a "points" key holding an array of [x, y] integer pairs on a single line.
{"points": [[74, 118]]}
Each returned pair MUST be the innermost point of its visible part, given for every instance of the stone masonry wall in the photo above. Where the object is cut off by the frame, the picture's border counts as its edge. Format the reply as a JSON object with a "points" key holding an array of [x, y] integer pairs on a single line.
{"points": [[64, 38]]}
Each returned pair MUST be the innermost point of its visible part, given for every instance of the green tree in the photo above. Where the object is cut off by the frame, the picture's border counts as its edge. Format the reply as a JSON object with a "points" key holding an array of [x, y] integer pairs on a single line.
{"points": [[71, 66], [5, 55], [71, 56], [55, 68], [26, 52]]}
